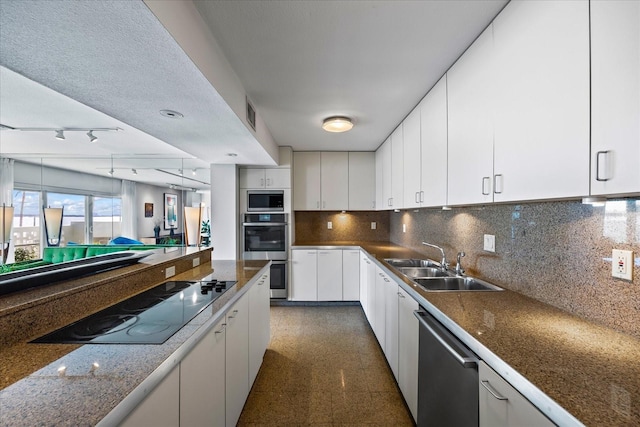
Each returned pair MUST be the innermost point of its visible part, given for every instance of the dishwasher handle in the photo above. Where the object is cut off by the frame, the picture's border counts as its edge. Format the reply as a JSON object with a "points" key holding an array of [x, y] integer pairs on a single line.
{"points": [[465, 360]]}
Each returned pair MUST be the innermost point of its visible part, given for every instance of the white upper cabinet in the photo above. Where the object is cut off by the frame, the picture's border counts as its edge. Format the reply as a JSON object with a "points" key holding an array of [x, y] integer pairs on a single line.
{"points": [[541, 113], [362, 180], [412, 159], [397, 166], [471, 93], [615, 97], [334, 178], [306, 180], [433, 137], [265, 178], [383, 176]]}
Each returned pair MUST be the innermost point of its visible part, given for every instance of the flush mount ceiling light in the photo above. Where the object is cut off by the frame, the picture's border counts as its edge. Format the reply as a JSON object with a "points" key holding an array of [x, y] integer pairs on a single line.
{"points": [[60, 131], [337, 124], [60, 135]]}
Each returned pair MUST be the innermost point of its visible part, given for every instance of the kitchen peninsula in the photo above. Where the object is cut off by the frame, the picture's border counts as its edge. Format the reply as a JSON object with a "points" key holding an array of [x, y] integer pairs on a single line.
{"points": [[96, 378]]}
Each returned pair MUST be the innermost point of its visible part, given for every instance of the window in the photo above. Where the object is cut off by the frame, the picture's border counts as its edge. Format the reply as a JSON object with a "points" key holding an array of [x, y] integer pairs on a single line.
{"points": [[26, 223]]}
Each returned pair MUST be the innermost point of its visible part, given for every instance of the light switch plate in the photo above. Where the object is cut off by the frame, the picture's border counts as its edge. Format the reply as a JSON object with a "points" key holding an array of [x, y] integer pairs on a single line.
{"points": [[622, 264], [489, 242]]}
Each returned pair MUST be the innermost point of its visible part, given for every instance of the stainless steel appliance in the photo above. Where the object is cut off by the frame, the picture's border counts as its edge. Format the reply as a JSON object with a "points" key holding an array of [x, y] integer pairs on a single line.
{"points": [[150, 317], [265, 200], [266, 236], [447, 377]]}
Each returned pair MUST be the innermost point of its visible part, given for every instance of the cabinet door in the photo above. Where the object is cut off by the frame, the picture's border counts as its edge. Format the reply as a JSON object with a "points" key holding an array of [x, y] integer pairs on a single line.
{"points": [[397, 168], [364, 295], [304, 275], [330, 275], [412, 157], [259, 325], [379, 322], [277, 178], [161, 407], [350, 275], [252, 178], [202, 392], [237, 360], [372, 274], [383, 175], [306, 180], [470, 83], [615, 97], [391, 326], [541, 144], [362, 181], [433, 138], [334, 178], [502, 405], [408, 350]]}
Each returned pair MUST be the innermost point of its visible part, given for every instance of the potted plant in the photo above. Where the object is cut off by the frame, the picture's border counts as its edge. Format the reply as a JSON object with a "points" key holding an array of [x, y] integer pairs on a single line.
{"points": [[205, 232]]}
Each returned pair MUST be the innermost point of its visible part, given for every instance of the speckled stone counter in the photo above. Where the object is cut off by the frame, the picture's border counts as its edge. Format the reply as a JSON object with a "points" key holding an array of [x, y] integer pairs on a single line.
{"points": [[552, 357], [84, 398]]}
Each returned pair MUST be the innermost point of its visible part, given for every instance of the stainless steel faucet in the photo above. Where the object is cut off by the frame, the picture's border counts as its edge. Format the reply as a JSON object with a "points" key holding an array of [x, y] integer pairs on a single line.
{"points": [[459, 270], [443, 261]]}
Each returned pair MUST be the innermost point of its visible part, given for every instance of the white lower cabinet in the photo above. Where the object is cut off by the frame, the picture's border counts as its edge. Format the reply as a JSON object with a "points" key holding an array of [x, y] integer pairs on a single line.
{"points": [[202, 378], [259, 324], [502, 405], [161, 407], [237, 360], [329, 275], [391, 326], [304, 275], [378, 325], [350, 275], [408, 350]]}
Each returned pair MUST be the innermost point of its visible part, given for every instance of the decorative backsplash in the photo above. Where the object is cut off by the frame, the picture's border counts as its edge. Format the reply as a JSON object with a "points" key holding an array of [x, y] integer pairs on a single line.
{"points": [[311, 226], [556, 252]]}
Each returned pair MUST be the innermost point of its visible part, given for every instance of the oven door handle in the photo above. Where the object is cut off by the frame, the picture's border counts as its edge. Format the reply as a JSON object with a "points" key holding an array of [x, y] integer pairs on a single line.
{"points": [[253, 224]]}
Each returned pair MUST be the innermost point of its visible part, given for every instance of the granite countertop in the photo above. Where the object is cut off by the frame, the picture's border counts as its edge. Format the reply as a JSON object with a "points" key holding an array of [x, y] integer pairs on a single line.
{"points": [[589, 370], [84, 398]]}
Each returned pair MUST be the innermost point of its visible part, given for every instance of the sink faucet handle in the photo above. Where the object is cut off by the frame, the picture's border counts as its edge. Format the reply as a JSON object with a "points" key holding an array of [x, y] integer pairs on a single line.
{"points": [[459, 269]]}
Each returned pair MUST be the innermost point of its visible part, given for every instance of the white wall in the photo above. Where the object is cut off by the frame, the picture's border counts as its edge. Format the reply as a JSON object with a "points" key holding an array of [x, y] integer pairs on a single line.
{"points": [[225, 218]]}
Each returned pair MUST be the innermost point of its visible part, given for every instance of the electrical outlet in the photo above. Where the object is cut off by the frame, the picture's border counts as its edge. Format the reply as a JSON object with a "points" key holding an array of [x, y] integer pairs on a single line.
{"points": [[404, 228], [373, 225], [329, 225], [170, 271], [622, 264], [489, 242], [196, 262]]}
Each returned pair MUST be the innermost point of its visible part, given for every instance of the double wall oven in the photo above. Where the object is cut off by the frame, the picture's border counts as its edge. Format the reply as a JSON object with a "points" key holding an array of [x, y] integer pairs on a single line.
{"points": [[265, 236]]}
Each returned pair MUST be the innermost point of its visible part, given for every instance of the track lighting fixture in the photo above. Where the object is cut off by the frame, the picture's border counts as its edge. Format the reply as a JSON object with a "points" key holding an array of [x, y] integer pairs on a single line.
{"points": [[92, 137], [60, 135]]}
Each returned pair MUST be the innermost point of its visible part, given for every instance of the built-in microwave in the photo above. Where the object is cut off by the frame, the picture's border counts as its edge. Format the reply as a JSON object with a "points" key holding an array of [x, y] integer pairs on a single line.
{"points": [[265, 200]]}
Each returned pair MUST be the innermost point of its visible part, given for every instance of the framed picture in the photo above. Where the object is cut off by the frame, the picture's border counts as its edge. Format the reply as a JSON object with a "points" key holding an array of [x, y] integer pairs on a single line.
{"points": [[148, 210], [170, 211]]}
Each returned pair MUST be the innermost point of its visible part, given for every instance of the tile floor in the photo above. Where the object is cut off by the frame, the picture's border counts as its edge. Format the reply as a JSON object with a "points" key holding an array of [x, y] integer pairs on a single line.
{"points": [[323, 367]]}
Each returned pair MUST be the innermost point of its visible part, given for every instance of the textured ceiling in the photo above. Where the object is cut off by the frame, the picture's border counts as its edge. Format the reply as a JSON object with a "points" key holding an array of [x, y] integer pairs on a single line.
{"points": [[302, 61]]}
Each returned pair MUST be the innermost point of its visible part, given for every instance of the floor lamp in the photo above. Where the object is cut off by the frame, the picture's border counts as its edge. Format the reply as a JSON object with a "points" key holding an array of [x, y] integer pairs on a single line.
{"points": [[6, 221], [192, 222], [53, 225]]}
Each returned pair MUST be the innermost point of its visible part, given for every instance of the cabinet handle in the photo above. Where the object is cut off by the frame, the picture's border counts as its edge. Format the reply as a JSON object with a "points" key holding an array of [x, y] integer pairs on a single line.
{"points": [[386, 280], [234, 312], [268, 182], [400, 295], [417, 197], [490, 389], [495, 184], [222, 328], [381, 275], [373, 204], [261, 182], [598, 166], [486, 179], [422, 197]]}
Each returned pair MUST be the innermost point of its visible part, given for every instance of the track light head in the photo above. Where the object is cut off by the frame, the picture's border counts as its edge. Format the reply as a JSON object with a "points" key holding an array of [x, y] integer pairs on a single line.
{"points": [[60, 135], [92, 137]]}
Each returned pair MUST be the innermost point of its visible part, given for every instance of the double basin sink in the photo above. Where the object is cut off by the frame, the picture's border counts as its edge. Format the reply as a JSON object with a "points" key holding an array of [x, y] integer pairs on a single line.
{"points": [[432, 277]]}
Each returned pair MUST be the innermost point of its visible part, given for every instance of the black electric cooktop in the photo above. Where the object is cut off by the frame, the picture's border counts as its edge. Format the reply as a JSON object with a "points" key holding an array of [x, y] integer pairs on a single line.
{"points": [[150, 317]]}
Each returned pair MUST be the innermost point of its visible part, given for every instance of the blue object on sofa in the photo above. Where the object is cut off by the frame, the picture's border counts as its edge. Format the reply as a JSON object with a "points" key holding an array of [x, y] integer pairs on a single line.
{"points": [[120, 240]]}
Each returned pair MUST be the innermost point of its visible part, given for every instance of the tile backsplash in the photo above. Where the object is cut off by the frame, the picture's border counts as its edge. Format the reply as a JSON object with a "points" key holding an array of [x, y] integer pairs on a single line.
{"points": [[556, 252], [311, 226]]}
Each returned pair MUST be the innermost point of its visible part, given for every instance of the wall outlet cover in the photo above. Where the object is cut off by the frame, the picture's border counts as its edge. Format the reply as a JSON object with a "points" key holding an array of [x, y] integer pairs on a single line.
{"points": [[489, 243], [196, 262], [170, 271], [373, 225], [329, 225], [622, 264]]}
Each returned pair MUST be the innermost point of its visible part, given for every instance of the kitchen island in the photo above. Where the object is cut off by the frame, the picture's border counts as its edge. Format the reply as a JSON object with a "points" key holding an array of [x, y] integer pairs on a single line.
{"points": [[97, 378], [572, 370]]}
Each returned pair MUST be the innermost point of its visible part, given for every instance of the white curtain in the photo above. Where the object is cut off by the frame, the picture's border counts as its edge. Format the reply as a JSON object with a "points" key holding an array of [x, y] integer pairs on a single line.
{"points": [[6, 195], [129, 226]]}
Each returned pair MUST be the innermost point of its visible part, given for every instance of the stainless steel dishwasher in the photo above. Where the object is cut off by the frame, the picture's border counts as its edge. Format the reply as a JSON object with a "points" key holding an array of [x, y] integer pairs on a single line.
{"points": [[447, 377]]}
